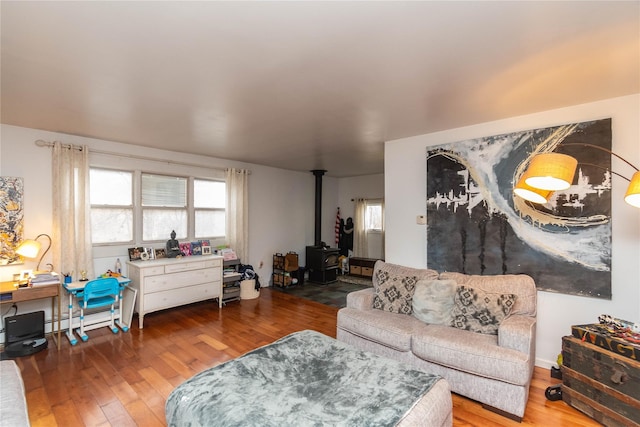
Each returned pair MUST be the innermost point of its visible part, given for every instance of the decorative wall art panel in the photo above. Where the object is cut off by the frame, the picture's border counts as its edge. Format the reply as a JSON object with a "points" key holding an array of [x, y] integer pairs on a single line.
{"points": [[476, 225], [11, 219]]}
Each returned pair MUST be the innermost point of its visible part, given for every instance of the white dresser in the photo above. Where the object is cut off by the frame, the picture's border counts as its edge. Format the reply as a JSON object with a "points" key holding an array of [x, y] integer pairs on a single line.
{"points": [[170, 282]]}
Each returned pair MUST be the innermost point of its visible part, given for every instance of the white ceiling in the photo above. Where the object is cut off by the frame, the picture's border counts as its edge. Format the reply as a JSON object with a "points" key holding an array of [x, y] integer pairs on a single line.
{"points": [[305, 85]]}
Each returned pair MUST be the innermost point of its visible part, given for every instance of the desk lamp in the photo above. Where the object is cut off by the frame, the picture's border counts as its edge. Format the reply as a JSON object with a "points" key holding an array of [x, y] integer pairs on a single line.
{"points": [[30, 248]]}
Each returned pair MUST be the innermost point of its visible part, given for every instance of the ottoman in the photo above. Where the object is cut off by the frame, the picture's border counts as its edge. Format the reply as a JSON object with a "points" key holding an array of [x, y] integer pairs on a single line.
{"points": [[307, 378]]}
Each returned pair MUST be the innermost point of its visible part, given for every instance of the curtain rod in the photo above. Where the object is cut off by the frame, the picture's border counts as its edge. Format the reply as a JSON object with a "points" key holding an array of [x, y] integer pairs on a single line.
{"points": [[41, 143]]}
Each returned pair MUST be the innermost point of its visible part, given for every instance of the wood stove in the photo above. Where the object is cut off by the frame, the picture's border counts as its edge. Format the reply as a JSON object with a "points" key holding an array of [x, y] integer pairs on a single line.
{"points": [[321, 261]]}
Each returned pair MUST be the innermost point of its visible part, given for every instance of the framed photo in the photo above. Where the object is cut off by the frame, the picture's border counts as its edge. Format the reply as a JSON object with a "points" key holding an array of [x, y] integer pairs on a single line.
{"points": [[196, 248], [185, 248], [206, 250], [160, 253], [25, 274], [135, 254]]}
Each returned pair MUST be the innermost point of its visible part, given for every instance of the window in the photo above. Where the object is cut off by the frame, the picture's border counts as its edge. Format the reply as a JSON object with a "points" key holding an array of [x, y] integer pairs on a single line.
{"points": [[164, 207], [209, 201], [373, 216], [111, 195], [194, 207]]}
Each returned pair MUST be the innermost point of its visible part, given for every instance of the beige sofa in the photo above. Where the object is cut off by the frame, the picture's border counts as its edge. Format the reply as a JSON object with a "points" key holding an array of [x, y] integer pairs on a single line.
{"points": [[495, 370], [13, 404]]}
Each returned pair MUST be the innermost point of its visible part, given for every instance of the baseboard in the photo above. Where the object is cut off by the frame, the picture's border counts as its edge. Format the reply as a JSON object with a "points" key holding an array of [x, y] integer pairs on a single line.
{"points": [[543, 363]]}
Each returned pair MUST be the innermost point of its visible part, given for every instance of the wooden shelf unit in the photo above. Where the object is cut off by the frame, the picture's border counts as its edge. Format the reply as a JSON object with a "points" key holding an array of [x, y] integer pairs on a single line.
{"points": [[231, 281], [361, 267]]}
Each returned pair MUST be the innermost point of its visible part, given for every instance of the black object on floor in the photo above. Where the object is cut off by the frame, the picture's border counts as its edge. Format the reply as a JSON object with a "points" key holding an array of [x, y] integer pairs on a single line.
{"points": [[24, 334]]}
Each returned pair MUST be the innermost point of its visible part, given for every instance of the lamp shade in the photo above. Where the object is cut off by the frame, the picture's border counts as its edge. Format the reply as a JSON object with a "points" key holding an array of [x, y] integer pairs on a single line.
{"points": [[529, 193], [28, 248], [633, 191], [551, 171]]}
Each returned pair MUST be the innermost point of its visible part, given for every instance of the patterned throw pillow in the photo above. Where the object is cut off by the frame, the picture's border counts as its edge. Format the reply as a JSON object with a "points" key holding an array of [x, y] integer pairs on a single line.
{"points": [[394, 293], [433, 301], [478, 311]]}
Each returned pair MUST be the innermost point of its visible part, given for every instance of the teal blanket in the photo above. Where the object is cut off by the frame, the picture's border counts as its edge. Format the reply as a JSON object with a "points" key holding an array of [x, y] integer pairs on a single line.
{"points": [[303, 379]]}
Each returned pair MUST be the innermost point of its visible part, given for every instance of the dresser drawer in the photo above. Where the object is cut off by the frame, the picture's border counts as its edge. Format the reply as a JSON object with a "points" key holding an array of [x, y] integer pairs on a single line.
{"points": [[180, 280], [172, 268], [174, 297], [154, 271], [355, 270], [213, 263]]}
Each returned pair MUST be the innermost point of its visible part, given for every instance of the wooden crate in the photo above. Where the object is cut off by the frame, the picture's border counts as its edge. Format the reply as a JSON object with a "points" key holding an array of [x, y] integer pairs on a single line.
{"points": [[281, 279], [608, 339], [278, 261], [600, 383]]}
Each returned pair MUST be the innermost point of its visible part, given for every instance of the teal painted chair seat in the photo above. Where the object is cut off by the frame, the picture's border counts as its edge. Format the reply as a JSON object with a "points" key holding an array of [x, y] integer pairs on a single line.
{"points": [[98, 293]]}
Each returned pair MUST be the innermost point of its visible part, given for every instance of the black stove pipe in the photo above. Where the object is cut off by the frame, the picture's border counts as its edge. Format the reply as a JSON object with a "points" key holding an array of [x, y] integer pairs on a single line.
{"points": [[318, 212]]}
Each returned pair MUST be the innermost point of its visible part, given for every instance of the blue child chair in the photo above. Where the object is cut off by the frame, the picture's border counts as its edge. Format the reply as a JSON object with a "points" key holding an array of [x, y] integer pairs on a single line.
{"points": [[98, 293]]}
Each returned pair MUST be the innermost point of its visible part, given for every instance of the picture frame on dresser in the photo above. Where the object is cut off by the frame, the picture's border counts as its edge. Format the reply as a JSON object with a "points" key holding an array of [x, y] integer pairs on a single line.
{"points": [[196, 248], [135, 254]]}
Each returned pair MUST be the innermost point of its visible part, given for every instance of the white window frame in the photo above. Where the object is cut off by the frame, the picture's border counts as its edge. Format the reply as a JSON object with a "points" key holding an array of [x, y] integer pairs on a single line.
{"points": [[197, 209], [188, 208], [115, 248], [131, 207], [374, 202]]}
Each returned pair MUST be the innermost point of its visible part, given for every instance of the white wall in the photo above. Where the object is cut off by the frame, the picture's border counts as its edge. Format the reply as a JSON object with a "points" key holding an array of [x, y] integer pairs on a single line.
{"points": [[281, 202], [405, 197], [365, 186]]}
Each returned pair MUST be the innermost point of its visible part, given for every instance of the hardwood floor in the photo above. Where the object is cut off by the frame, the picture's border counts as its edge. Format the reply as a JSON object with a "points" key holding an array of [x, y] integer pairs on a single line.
{"points": [[124, 379]]}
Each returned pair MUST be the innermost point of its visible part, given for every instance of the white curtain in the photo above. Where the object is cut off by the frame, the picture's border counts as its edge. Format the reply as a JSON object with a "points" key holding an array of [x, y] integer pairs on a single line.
{"points": [[71, 236], [237, 224], [360, 245]]}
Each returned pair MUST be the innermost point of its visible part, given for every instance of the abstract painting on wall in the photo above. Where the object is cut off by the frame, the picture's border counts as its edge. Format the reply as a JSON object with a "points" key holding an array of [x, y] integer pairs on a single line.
{"points": [[11, 219], [476, 225]]}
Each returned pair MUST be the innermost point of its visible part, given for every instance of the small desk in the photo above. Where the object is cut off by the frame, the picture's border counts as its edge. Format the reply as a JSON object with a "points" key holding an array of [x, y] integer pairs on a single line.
{"points": [[75, 288], [10, 293]]}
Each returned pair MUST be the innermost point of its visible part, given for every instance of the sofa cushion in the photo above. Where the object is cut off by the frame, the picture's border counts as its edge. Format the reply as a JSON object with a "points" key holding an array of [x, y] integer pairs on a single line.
{"points": [[433, 301], [477, 354], [479, 311], [394, 286], [389, 329], [519, 284]]}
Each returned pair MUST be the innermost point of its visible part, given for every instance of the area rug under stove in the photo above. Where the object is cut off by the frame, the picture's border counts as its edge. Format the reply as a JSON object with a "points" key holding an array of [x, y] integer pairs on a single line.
{"points": [[303, 379], [333, 294]]}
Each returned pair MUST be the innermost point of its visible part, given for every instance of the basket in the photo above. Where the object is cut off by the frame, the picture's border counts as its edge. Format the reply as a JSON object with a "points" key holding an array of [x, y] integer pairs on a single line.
{"points": [[248, 289]]}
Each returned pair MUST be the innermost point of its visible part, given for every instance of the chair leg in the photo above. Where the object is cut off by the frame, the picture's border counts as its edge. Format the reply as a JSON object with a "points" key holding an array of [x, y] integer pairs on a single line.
{"points": [[113, 324], [83, 335]]}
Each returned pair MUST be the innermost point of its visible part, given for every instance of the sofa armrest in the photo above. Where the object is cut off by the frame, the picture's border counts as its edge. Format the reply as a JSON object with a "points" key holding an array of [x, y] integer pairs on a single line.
{"points": [[13, 403], [361, 300], [518, 332]]}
